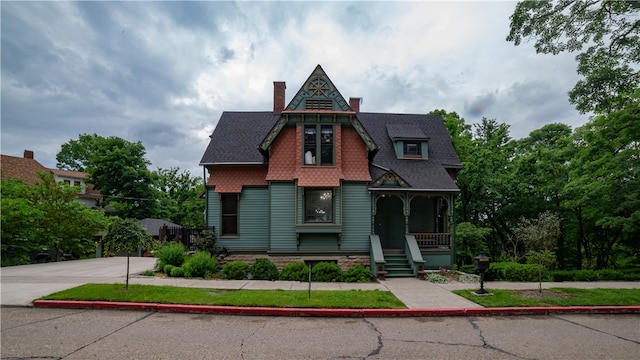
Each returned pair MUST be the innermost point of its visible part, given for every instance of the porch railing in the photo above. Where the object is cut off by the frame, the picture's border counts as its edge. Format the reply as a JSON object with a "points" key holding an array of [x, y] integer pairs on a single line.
{"points": [[432, 240]]}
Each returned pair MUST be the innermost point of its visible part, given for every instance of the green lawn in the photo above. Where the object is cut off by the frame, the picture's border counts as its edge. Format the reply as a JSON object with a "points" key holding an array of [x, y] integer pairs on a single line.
{"points": [[343, 299], [556, 297]]}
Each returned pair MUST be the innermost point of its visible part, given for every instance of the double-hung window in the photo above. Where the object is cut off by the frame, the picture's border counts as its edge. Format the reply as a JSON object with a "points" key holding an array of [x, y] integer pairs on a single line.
{"points": [[412, 149], [229, 214], [318, 145], [318, 205]]}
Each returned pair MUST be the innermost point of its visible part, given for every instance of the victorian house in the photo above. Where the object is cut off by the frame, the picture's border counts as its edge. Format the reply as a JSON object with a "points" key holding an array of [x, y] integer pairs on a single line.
{"points": [[318, 180]]}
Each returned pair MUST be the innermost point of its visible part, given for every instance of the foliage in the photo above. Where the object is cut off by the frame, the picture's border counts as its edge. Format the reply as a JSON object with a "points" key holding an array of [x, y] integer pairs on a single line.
{"points": [[264, 269], [436, 278], [178, 198], [326, 272], [340, 299], [167, 269], [595, 275], [118, 170], [508, 271], [148, 273], [470, 241], [177, 272], [608, 29], [235, 270], [126, 235], [468, 278], [357, 273], [171, 253], [200, 264], [206, 241], [297, 271], [46, 215]]}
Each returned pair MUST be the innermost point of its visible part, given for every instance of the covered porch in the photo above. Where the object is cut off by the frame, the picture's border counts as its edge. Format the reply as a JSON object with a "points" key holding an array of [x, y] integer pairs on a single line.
{"points": [[414, 230]]}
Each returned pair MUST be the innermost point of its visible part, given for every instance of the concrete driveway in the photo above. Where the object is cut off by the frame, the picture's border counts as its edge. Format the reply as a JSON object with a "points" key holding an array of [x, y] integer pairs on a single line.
{"points": [[23, 284]]}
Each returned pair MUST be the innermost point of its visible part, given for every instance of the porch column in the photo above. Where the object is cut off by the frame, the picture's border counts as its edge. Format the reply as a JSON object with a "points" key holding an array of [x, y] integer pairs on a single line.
{"points": [[406, 201]]}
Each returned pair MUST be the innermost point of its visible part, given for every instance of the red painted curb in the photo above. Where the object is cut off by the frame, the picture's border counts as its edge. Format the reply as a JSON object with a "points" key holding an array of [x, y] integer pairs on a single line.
{"points": [[265, 311]]}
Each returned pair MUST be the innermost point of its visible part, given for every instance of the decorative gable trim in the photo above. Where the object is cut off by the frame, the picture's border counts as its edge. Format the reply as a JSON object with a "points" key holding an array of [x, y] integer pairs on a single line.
{"points": [[390, 179], [318, 93]]}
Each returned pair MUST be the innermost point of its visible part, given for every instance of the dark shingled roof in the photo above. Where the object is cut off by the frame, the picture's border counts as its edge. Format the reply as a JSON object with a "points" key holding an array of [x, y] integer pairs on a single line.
{"points": [[430, 174], [238, 135]]}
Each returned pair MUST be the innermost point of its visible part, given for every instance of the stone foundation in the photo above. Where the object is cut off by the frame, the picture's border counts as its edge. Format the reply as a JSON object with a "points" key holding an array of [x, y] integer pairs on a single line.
{"points": [[344, 261]]}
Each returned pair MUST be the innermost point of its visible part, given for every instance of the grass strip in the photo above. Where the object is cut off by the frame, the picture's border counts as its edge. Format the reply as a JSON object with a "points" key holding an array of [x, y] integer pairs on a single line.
{"points": [[342, 299], [555, 297]]}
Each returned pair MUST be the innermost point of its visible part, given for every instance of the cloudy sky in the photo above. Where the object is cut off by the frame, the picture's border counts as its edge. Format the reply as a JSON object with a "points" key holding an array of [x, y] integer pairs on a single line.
{"points": [[163, 72]]}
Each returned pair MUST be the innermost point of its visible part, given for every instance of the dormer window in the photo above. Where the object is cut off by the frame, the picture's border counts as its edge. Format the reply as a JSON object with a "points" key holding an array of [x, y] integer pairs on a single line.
{"points": [[412, 149], [409, 141], [318, 145]]}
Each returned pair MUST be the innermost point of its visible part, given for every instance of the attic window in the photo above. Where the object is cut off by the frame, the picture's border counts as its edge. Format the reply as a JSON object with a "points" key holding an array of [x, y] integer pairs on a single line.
{"points": [[412, 149], [319, 104]]}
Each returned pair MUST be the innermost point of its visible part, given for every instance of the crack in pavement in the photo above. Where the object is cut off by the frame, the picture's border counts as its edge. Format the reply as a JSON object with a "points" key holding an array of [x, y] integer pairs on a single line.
{"points": [[486, 345], [109, 334], [372, 326], [264, 324], [596, 330], [45, 320]]}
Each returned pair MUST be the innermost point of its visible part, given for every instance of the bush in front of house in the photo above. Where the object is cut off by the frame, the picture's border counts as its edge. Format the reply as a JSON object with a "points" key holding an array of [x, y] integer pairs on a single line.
{"points": [[235, 270], [264, 269], [171, 253], [200, 264], [297, 271], [357, 273], [167, 269], [326, 272], [509, 271], [177, 272]]}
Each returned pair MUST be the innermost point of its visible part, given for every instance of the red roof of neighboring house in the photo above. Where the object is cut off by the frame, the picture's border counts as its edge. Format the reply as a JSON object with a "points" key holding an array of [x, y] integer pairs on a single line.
{"points": [[20, 168], [230, 179]]}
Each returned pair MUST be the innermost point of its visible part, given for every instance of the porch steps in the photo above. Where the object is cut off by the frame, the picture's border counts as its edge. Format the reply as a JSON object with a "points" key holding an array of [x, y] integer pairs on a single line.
{"points": [[397, 265]]}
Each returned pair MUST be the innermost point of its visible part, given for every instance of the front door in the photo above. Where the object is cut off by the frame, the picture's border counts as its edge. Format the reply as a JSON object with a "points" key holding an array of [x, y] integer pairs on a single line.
{"points": [[389, 222]]}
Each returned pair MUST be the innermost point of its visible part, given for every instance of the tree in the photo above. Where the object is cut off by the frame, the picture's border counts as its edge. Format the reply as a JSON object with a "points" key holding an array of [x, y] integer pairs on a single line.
{"points": [[126, 235], [178, 197], [470, 241], [610, 31], [540, 238], [118, 170], [47, 215]]}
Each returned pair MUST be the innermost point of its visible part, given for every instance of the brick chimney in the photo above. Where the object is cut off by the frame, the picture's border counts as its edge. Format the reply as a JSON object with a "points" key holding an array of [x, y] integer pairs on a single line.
{"points": [[354, 103], [278, 96], [28, 154]]}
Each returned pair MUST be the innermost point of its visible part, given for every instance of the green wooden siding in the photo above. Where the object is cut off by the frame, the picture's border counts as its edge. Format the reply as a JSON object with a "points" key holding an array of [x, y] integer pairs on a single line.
{"points": [[253, 219], [283, 212], [213, 210], [356, 218], [433, 259]]}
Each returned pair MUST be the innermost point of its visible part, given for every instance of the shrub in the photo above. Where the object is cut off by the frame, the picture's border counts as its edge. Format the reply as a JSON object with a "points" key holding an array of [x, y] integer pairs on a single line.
{"points": [[206, 241], [295, 272], [468, 278], [148, 273], [235, 270], [171, 253], [509, 271], [167, 269], [357, 273], [264, 269], [177, 272], [326, 272], [200, 264], [436, 278], [469, 269]]}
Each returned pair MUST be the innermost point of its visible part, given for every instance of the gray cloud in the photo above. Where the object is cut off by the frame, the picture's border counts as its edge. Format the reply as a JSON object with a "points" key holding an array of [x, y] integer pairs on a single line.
{"points": [[163, 72]]}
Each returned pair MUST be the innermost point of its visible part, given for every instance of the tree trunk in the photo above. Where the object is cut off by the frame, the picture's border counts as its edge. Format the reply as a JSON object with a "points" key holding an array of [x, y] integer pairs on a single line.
{"points": [[127, 283]]}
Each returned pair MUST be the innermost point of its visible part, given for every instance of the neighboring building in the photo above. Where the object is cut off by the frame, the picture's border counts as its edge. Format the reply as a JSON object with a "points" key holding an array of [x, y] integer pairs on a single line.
{"points": [[319, 180], [27, 168]]}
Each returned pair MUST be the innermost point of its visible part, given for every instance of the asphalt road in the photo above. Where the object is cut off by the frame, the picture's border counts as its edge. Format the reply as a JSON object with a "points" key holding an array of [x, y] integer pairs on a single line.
{"points": [[32, 333]]}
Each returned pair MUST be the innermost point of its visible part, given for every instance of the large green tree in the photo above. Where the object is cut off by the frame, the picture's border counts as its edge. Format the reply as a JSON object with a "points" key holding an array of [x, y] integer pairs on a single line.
{"points": [[606, 35], [117, 168], [178, 197]]}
